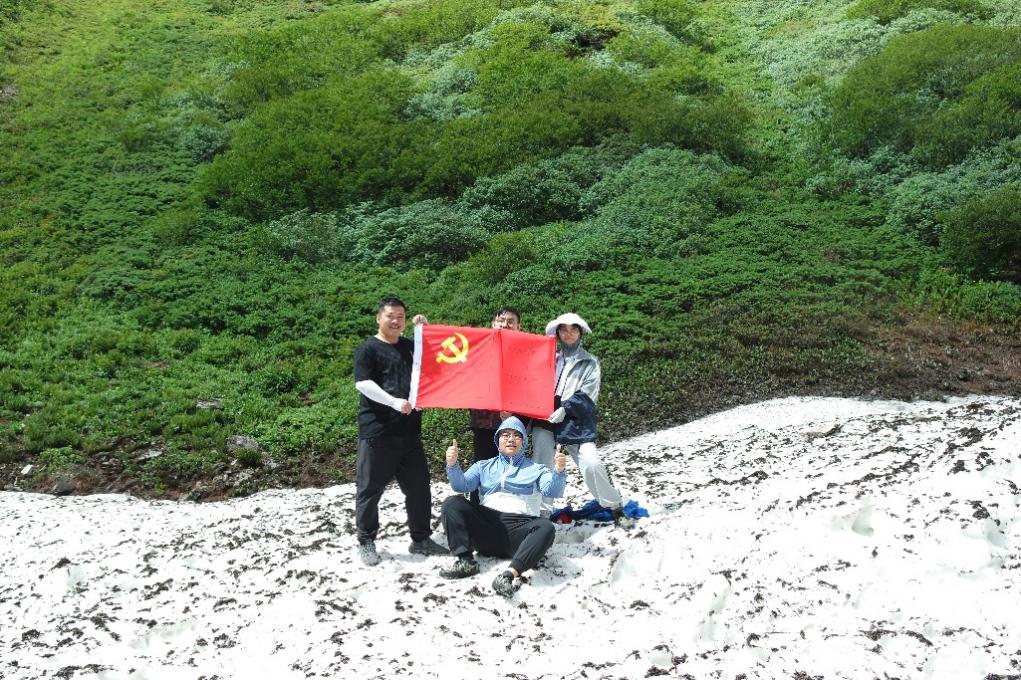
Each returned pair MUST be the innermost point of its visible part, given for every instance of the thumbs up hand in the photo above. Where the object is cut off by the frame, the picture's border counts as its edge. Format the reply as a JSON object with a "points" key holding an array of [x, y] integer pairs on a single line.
{"points": [[452, 453], [559, 459]]}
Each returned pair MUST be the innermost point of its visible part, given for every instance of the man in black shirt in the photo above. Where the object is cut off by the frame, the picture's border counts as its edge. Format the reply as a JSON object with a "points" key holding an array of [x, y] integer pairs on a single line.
{"points": [[389, 435]]}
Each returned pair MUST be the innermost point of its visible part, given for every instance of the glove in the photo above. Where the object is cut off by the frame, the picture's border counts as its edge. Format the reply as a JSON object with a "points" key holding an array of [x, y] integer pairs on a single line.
{"points": [[557, 416]]}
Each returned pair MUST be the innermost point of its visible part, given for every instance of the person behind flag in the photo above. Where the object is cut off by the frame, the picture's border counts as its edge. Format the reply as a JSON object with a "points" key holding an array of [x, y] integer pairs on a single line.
{"points": [[507, 523], [574, 417], [389, 435], [483, 423]]}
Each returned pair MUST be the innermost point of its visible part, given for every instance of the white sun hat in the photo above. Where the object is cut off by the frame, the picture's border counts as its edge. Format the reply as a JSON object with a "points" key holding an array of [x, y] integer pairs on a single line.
{"points": [[569, 318]]}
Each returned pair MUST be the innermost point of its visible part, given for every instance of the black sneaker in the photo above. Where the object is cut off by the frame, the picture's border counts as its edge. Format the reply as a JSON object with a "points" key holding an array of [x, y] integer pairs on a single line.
{"points": [[427, 546], [621, 520], [462, 568], [367, 554], [504, 584]]}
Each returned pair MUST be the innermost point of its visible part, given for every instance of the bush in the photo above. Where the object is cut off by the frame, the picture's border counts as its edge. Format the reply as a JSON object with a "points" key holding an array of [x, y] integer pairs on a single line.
{"points": [[314, 237], [301, 429], [989, 110], [178, 226], [928, 80], [655, 201], [983, 236], [203, 141], [250, 458], [430, 234], [677, 16], [342, 143], [917, 201], [503, 255], [174, 468], [958, 297], [514, 93], [53, 459], [50, 429], [885, 11], [531, 193], [11, 10]]}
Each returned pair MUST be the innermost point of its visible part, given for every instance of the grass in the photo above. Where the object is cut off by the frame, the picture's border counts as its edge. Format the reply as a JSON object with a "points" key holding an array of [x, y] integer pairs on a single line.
{"points": [[201, 201]]}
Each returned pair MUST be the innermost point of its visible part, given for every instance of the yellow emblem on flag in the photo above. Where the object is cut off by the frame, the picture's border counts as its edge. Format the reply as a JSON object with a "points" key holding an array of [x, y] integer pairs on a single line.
{"points": [[458, 353]]}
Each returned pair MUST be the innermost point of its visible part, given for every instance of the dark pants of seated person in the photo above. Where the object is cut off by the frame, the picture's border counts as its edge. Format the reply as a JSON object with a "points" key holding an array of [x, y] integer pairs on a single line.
{"points": [[523, 538], [484, 449]]}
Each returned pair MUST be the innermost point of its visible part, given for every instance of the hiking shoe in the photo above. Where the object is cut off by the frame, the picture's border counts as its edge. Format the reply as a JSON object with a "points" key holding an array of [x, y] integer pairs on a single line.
{"points": [[621, 520], [367, 554], [504, 584], [427, 546], [462, 568]]}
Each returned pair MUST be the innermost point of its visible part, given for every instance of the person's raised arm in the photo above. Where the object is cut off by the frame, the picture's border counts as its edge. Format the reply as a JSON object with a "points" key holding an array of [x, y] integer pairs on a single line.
{"points": [[460, 481], [552, 483]]}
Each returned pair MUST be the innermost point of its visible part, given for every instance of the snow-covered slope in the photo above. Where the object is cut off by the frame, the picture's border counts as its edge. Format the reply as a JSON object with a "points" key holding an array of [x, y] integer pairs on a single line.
{"points": [[797, 538]]}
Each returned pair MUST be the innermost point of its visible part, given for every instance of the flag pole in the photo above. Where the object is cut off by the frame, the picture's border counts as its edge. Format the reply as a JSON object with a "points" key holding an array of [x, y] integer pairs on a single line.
{"points": [[416, 366]]}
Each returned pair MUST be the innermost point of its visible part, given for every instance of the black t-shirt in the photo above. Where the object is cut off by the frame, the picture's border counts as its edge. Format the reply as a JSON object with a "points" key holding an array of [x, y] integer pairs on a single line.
{"points": [[390, 367]]}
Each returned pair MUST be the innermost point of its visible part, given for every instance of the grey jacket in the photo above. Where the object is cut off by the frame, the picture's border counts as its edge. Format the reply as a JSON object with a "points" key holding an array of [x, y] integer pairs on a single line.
{"points": [[580, 372], [578, 388]]}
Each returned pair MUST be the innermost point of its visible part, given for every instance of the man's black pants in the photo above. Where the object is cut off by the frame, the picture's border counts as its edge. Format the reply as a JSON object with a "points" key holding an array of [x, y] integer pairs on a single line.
{"points": [[380, 461], [523, 538]]}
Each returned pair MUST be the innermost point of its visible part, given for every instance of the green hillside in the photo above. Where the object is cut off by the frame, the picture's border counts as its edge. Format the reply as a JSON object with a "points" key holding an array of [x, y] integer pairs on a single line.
{"points": [[202, 200]]}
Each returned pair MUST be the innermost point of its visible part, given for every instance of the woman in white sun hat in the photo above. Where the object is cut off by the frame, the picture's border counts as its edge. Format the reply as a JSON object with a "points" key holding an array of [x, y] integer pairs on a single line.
{"points": [[573, 421]]}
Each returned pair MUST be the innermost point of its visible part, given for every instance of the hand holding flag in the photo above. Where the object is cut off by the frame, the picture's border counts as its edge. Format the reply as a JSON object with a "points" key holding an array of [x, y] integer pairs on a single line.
{"points": [[499, 370]]}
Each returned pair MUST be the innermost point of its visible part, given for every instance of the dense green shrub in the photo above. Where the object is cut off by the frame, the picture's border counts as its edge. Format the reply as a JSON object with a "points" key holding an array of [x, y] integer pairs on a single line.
{"points": [[656, 201], [885, 11], [51, 427], [312, 236], [983, 236], [298, 56], [931, 83], [518, 95], [531, 193], [54, 459], [960, 297], [11, 10], [428, 234], [341, 143], [677, 16], [178, 226], [176, 468], [916, 200], [302, 428], [989, 110]]}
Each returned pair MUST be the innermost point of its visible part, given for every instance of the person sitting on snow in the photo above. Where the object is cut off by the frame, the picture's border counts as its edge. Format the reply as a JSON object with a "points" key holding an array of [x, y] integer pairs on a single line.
{"points": [[507, 522]]}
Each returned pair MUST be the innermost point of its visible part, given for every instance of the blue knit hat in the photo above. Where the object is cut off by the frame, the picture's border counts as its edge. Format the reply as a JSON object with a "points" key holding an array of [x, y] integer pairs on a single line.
{"points": [[512, 423]]}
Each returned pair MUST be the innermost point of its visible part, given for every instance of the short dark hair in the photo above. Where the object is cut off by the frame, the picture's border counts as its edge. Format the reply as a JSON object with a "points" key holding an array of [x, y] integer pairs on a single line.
{"points": [[391, 301], [509, 310]]}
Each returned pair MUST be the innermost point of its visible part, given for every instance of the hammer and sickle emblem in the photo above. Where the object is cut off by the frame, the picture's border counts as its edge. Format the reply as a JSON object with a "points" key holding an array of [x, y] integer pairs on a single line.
{"points": [[458, 353]]}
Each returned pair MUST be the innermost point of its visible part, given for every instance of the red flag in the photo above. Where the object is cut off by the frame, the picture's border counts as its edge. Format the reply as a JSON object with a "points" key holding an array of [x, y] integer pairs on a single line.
{"points": [[483, 368]]}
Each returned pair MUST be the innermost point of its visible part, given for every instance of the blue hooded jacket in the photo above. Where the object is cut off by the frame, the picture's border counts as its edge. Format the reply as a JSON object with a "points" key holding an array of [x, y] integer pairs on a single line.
{"points": [[518, 475]]}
